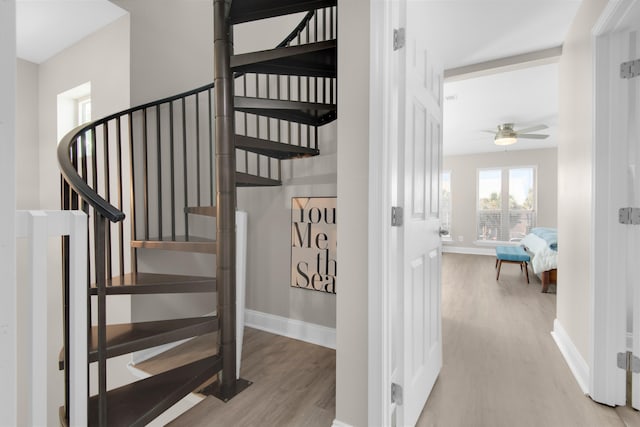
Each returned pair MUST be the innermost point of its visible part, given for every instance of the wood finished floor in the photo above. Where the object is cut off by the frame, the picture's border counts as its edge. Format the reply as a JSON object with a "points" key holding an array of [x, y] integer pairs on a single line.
{"points": [[293, 385], [501, 365]]}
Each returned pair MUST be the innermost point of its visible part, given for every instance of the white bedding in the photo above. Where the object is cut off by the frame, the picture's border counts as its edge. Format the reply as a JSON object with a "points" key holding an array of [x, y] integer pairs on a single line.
{"points": [[543, 258]]}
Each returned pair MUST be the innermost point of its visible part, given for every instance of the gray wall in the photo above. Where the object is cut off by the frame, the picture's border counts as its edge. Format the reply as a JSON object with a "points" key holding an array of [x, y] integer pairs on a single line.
{"points": [[464, 187], [269, 237], [171, 47], [575, 172]]}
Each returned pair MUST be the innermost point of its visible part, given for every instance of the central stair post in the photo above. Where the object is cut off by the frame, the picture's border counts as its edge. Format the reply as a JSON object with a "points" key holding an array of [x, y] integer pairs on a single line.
{"points": [[225, 195]]}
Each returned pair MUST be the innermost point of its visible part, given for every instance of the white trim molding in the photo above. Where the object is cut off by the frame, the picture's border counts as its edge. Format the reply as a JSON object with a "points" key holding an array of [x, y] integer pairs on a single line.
{"points": [[292, 328], [572, 356], [448, 249], [608, 286], [337, 423]]}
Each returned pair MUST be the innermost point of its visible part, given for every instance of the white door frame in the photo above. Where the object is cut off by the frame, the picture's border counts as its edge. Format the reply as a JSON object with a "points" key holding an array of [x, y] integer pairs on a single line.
{"points": [[606, 381], [379, 334]]}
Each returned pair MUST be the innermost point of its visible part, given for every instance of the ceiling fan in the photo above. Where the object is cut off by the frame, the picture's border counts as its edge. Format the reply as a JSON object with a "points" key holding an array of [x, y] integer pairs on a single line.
{"points": [[506, 135]]}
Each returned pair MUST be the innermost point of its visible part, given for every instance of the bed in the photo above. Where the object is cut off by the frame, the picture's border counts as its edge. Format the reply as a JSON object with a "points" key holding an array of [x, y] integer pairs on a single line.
{"points": [[542, 245]]}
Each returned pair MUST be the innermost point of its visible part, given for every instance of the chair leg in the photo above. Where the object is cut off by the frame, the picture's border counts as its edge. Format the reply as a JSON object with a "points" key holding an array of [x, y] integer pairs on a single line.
{"points": [[496, 266], [526, 270], [499, 267]]}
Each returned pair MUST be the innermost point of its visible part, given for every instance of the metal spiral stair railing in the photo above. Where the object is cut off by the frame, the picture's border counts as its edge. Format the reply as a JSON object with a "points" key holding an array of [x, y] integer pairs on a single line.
{"points": [[155, 165]]}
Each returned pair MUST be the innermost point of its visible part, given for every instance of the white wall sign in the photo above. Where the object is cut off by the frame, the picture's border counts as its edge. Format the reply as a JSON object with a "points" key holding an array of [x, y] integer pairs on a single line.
{"points": [[313, 243]]}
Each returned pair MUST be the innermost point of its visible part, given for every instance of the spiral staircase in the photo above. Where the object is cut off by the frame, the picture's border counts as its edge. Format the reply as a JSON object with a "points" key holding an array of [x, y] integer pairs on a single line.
{"points": [[142, 175]]}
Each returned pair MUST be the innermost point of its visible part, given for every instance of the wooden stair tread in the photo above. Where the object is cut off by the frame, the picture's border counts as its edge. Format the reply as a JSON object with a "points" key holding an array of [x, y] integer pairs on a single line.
{"points": [[273, 149], [247, 180], [129, 337], [194, 349], [180, 243], [309, 113], [313, 60], [152, 283], [252, 10], [201, 210], [138, 403]]}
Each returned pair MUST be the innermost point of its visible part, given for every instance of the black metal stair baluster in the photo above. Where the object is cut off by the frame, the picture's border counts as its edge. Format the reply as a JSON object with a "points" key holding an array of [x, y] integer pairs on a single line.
{"points": [[315, 26], [99, 237], [315, 139], [66, 205], [132, 197], [107, 192], [159, 169], [324, 24], [184, 169], [172, 171], [145, 173], [198, 178], [120, 196]]}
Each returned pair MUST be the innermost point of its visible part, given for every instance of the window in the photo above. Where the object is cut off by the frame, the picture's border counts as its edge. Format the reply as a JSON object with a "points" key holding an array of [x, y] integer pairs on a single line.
{"points": [[83, 106], [506, 218], [445, 201]]}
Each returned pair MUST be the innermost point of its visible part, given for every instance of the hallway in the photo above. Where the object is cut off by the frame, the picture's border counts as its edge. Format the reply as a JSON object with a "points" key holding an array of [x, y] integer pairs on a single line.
{"points": [[501, 364]]}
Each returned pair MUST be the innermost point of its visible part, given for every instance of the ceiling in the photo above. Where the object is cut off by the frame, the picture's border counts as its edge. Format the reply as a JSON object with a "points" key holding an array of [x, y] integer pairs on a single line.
{"points": [[47, 27], [468, 32], [472, 32]]}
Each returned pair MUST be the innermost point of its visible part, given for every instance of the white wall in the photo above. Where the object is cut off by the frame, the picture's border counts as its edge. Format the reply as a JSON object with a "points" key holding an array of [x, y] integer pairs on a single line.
{"points": [[575, 173], [101, 58], [27, 178], [8, 382], [353, 205], [464, 170]]}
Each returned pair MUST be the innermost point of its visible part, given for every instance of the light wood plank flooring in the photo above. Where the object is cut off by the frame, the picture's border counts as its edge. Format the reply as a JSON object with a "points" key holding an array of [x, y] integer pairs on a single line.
{"points": [[501, 365], [293, 385]]}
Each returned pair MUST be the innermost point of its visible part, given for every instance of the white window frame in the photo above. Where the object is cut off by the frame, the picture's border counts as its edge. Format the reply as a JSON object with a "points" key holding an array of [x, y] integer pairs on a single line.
{"points": [[504, 195]]}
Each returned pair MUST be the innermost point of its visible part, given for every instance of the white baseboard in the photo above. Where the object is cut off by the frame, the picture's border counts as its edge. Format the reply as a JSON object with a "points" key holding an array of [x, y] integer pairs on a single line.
{"points": [[468, 251], [572, 356], [296, 329], [337, 423]]}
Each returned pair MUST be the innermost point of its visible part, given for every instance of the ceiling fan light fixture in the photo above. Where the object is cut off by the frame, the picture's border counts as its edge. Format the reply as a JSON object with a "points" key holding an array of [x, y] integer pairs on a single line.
{"points": [[505, 140]]}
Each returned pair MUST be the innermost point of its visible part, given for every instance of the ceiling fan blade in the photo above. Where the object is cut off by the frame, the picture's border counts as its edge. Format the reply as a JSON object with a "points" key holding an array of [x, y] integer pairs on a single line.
{"points": [[532, 136], [532, 129], [488, 131]]}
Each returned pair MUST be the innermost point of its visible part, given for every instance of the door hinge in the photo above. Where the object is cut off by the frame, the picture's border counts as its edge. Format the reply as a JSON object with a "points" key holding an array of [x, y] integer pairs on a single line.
{"points": [[396, 216], [630, 69], [398, 38], [629, 216], [629, 362], [396, 394]]}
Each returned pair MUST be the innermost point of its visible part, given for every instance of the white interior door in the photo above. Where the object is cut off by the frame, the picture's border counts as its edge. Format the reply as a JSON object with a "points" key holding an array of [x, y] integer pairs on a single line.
{"points": [[420, 159], [630, 120]]}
